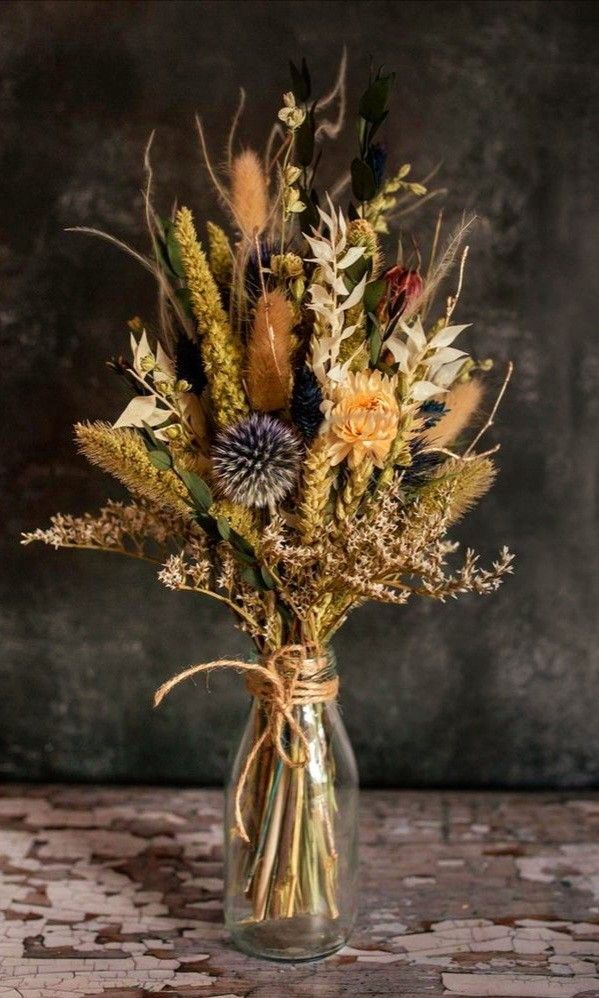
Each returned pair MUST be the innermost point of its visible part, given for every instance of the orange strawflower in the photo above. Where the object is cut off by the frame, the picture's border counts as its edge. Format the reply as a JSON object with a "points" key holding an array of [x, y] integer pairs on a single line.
{"points": [[363, 420]]}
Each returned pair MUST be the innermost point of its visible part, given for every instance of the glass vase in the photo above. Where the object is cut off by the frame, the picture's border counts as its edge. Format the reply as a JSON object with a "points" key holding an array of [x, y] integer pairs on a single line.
{"points": [[291, 889]]}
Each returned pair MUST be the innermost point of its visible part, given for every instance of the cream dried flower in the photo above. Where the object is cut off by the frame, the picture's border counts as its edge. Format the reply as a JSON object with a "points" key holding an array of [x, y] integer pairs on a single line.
{"points": [[292, 201], [290, 114], [364, 418]]}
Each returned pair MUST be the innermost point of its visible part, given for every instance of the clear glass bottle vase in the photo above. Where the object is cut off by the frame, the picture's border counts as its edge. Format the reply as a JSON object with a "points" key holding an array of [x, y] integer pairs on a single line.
{"points": [[291, 891]]}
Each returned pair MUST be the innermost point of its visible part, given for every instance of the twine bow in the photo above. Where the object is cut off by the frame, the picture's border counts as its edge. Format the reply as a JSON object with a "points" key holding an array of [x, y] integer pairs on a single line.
{"points": [[292, 676]]}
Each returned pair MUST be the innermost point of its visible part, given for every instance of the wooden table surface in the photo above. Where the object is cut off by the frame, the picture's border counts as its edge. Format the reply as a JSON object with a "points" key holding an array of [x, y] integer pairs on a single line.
{"points": [[112, 891]]}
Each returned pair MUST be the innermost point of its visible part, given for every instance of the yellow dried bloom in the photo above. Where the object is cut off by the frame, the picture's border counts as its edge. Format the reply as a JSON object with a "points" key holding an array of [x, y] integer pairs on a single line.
{"points": [[220, 254], [318, 479], [364, 419], [290, 114], [222, 352], [286, 265], [241, 519], [122, 453]]}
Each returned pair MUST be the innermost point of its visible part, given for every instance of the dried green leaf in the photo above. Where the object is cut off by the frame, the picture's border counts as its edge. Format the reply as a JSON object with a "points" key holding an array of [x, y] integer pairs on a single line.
{"points": [[362, 179], [161, 459]]}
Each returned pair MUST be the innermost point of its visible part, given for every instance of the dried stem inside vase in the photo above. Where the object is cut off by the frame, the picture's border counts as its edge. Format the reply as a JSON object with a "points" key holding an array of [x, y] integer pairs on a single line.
{"points": [[289, 867]]}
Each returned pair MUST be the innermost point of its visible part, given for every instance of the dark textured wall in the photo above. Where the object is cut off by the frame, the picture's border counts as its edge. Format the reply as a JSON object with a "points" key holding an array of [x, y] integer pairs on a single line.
{"points": [[497, 691]]}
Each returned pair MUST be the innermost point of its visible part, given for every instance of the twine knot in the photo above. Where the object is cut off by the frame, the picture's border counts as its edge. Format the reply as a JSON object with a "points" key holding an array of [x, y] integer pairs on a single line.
{"points": [[291, 676]]}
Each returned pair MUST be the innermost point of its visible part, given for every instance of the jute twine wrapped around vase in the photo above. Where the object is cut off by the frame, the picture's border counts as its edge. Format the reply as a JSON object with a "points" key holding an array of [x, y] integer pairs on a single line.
{"points": [[292, 676]]}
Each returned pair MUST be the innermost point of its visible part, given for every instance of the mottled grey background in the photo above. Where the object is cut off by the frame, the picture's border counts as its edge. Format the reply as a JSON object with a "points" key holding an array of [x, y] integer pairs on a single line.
{"points": [[496, 692]]}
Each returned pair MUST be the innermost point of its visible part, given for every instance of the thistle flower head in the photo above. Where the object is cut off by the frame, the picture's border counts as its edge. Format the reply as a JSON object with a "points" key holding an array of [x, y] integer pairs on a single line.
{"points": [[256, 462]]}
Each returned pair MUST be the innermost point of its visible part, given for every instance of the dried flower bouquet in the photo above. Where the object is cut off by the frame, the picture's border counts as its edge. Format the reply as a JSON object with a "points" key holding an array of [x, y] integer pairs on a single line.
{"points": [[295, 440]]}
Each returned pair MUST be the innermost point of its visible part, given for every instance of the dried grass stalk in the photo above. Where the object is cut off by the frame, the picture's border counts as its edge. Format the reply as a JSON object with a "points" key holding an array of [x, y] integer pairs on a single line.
{"points": [[456, 488], [249, 195], [462, 403], [123, 454]]}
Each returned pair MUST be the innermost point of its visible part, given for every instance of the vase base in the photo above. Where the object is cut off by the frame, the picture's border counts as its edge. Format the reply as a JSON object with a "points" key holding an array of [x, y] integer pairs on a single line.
{"points": [[291, 940]]}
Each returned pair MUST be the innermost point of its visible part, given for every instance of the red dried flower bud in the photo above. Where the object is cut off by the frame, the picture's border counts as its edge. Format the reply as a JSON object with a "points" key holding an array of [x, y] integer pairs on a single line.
{"points": [[403, 287]]}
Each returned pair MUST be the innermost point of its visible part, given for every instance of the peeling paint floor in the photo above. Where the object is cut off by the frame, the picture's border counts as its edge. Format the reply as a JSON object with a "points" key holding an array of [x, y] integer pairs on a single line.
{"points": [[117, 892]]}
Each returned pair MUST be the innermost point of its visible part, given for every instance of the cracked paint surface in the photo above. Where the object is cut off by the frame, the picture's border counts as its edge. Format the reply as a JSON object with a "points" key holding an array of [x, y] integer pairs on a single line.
{"points": [[118, 892]]}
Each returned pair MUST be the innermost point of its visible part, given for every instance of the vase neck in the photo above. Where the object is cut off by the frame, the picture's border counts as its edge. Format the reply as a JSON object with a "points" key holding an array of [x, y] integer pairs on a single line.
{"points": [[292, 677], [303, 663]]}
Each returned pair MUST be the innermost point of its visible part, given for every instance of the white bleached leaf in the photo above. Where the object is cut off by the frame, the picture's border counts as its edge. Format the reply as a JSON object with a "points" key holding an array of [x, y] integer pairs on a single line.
{"points": [[449, 372], [415, 332], [355, 297], [329, 220], [401, 354], [445, 356], [447, 335], [142, 409], [141, 350], [338, 286], [423, 390], [319, 294], [165, 363], [353, 254], [321, 251]]}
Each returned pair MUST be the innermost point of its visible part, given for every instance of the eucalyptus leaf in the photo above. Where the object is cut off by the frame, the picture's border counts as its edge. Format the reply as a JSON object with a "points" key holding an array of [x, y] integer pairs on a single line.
{"points": [[300, 81], [197, 488], [304, 140], [362, 179], [241, 556], [376, 342], [224, 527], [268, 579], [373, 294], [242, 545], [184, 296], [208, 524], [161, 459], [373, 103], [376, 127], [253, 577], [354, 274], [309, 218], [148, 433], [174, 253]]}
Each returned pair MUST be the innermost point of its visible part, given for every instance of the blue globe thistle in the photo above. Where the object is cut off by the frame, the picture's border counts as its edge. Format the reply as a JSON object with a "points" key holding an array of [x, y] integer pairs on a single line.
{"points": [[256, 462]]}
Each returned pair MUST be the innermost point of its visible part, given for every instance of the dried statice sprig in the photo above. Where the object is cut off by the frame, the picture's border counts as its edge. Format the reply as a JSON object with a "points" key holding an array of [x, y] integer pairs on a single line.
{"points": [[393, 552], [135, 530], [216, 573]]}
